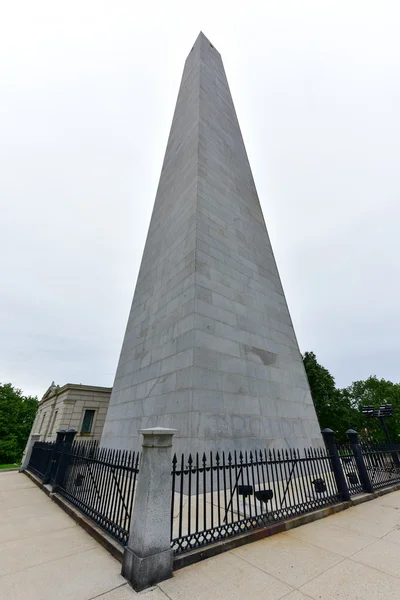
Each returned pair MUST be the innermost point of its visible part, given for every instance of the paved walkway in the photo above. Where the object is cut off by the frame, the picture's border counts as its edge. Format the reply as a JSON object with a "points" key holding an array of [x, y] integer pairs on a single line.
{"points": [[354, 555]]}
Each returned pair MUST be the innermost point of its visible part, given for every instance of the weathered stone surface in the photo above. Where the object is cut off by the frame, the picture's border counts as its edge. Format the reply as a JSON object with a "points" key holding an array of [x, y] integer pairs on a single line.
{"points": [[210, 348]]}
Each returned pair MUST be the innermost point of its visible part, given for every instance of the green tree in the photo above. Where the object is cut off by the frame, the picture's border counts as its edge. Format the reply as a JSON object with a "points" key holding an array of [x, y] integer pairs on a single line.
{"points": [[334, 408], [17, 413], [374, 392]]}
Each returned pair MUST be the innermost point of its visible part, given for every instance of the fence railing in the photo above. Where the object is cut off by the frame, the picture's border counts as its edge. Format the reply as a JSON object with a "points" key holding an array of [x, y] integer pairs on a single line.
{"points": [[350, 469], [101, 484], [40, 458], [382, 464], [219, 496], [215, 496]]}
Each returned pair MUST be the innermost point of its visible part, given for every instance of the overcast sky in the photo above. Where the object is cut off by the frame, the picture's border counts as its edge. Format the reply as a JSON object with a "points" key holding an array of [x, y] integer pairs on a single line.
{"points": [[87, 93]]}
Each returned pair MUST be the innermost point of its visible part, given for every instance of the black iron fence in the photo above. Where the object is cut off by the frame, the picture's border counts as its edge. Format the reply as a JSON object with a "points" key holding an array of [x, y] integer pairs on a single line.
{"points": [[219, 496], [40, 458], [382, 464], [215, 496], [101, 484]]}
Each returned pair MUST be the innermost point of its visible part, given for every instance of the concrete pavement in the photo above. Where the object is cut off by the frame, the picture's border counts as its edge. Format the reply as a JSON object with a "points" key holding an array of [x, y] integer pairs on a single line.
{"points": [[353, 555]]}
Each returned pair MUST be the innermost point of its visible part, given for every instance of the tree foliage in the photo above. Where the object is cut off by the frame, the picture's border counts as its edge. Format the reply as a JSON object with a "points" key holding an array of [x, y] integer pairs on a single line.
{"points": [[374, 392], [340, 409], [17, 413], [332, 407]]}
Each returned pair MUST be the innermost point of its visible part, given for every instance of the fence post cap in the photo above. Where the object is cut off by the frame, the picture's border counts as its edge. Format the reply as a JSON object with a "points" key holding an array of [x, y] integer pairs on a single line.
{"points": [[70, 435], [327, 430], [157, 437], [158, 431], [352, 435], [60, 436]]}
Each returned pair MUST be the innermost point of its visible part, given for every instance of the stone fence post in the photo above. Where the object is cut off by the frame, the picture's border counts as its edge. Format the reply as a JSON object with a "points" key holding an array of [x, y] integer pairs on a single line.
{"points": [[148, 554], [35, 437], [362, 471], [329, 439]]}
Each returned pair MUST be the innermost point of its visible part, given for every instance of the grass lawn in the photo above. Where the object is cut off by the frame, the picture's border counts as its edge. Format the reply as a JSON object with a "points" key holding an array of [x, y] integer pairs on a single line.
{"points": [[12, 466]]}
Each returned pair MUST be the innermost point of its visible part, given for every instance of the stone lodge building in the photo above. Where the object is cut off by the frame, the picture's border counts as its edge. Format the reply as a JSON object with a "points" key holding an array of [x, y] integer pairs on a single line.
{"points": [[72, 406]]}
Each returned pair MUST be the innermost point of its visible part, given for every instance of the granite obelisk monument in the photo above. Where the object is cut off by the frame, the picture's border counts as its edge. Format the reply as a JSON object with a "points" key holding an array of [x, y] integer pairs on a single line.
{"points": [[209, 348]]}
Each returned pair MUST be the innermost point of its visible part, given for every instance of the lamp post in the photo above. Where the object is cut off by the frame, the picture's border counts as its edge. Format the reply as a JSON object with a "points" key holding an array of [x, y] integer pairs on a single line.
{"points": [[385, 410]]}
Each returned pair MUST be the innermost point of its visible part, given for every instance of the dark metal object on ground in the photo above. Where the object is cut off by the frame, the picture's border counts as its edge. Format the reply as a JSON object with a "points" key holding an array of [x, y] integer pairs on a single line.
{"points": [[320, 486], [264, 495], [353, 479], [79, 479], [245, 490]]}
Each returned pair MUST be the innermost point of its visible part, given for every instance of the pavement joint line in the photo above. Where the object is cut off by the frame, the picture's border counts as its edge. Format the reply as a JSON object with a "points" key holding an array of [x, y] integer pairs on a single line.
{"points": [[375, 539], [35, 535], [347, 528], [375, 568], [291, 592], [296, 588], [304, 542], [48, 561], [162, 591], [323, 572], [117, 587], [8, 491], [262, 570], [367, 546], [20, 506], [16, 489]]}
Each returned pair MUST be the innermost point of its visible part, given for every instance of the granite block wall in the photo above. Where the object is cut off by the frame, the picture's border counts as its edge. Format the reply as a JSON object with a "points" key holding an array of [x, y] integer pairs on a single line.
{"points": [[209, 348]]}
